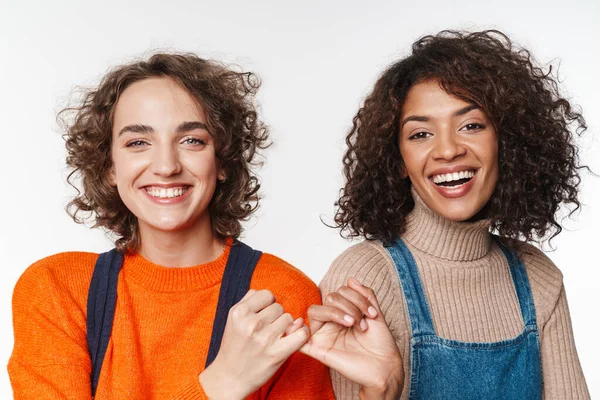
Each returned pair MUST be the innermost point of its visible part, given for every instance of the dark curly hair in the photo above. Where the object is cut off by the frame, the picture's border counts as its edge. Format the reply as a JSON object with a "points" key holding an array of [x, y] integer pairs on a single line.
{"points": [[227, 96], [538, 160]]}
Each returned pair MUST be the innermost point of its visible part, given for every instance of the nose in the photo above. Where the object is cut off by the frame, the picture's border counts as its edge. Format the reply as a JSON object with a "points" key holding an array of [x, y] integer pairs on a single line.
{"points": [[165, 161], [448, 146]]}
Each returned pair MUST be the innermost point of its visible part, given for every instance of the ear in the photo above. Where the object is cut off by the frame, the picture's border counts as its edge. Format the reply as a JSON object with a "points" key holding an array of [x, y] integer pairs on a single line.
{"points": [[403, 172], [111, 177], [221, 177]]}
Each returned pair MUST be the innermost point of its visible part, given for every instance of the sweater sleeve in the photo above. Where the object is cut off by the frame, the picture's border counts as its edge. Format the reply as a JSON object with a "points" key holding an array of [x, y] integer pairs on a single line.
{"points": [[562, 373], [369, 265], [50, 358], [300, 377], [192, 390]]}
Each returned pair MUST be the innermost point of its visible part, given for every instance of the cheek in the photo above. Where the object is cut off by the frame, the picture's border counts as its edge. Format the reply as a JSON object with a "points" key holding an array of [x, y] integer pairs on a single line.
{"points": [[204, 165], [414, 161], [127, 167], [489, 156]]}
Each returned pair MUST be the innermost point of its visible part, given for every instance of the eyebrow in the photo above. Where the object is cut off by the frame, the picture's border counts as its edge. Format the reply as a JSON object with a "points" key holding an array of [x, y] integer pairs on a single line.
{"points": [[182, 128], [423, 118]]}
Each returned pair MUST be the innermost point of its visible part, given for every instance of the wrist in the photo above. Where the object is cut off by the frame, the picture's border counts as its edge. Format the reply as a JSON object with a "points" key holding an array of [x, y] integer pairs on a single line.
{"points": [[219, 385], [390, 389], [385, 393]]}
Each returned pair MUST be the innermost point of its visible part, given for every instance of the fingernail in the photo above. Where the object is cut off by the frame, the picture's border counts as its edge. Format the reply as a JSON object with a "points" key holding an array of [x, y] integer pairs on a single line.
{"points": [[372, 311], [363, 324], [348, 319], [298, 321], [357, 282]]}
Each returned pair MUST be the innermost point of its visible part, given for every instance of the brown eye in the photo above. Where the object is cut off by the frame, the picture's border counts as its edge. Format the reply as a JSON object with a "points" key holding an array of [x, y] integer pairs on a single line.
{"points": [[472, 127], [419, 135]]}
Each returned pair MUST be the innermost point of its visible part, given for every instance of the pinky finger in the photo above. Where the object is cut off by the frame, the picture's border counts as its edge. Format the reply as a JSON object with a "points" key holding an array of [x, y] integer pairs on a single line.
{"points": [[297, 324]]}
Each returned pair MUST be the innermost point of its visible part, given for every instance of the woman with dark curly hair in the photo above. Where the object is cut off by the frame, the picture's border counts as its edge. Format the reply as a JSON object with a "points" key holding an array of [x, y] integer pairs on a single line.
{"points": [[164, 150], [464, 137]]}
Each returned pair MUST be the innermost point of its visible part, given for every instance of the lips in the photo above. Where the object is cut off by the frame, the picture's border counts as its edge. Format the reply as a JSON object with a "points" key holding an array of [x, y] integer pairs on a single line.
{"points": [[454, 182], [167, 194], [164, 193], [453, 178]]}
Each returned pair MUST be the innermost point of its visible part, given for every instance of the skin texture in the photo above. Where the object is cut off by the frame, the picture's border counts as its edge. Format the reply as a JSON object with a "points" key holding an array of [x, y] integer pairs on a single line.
{"points": [[165, 154], [360, 348], [253, 346], [439, 133], [436, 136], [160, 139]]}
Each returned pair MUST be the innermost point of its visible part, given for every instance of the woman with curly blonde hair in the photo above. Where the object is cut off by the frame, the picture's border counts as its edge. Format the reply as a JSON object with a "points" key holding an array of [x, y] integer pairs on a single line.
{"points": [[464, 137], [162, 151]]}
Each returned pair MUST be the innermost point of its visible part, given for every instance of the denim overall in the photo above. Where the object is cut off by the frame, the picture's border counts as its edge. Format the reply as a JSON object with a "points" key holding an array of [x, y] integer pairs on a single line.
{"points": [[449, 369]]}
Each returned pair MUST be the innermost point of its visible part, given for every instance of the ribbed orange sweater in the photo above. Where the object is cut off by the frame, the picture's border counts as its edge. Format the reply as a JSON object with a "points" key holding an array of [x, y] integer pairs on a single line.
{"points": [[161, 332]]}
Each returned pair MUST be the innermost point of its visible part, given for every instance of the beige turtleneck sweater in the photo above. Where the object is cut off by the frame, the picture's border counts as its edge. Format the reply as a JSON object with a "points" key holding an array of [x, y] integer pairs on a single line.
{"points": [[470, 294]]}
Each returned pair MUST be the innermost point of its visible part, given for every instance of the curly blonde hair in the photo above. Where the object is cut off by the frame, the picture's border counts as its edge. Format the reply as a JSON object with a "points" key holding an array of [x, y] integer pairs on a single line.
{"points": [[227, 96]]}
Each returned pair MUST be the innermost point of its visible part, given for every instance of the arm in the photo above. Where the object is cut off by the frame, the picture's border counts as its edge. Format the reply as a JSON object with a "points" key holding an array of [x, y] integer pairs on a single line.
{"points": [[562, 373], [367, 263], [50, 358]]}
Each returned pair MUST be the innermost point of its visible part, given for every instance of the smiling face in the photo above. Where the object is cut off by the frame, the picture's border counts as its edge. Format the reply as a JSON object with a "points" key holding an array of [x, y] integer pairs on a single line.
{"points": [[164, 162], [450, 151]]}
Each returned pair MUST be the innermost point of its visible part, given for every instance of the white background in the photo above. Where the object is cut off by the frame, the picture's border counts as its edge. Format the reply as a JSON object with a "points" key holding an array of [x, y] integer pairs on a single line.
{"points": [[317, 61]]}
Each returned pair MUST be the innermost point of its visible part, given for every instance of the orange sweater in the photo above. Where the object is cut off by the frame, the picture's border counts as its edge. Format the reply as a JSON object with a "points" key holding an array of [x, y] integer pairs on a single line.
{"points": [[161, 331]]}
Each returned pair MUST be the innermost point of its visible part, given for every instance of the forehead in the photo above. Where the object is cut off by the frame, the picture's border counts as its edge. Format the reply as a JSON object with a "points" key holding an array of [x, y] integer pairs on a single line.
{"points": [[156, 101], [429, 98]]}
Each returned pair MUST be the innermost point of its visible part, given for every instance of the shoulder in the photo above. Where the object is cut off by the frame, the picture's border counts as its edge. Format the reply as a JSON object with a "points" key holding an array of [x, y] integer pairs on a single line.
{"points": [[367, 261], [370, 264], [61, 275], [49, 310], [545, 279], [292, 288]]}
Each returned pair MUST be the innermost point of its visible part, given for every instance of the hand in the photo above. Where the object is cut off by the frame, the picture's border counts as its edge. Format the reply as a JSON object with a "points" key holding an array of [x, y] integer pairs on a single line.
{"points": [[360, 348], [258, 338]]}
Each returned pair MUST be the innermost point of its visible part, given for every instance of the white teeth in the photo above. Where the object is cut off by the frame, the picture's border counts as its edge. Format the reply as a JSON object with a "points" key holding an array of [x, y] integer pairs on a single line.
{"points": [[164, 193], [453, 176]]}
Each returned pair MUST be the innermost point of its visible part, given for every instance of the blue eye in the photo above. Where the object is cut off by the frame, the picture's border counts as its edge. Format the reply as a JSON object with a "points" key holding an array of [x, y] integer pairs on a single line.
{"points": [[194, 141], [419, 135], [135, 143]]}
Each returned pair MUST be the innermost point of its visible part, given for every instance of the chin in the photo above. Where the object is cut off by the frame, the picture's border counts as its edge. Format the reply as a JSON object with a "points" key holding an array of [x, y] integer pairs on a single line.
{"points": [[457, 214], [167, 224]]}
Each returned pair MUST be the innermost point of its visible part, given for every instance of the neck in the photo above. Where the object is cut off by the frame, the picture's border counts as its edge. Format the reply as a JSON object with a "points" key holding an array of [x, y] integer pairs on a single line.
{"points": [[442, 238], [185, 247]]}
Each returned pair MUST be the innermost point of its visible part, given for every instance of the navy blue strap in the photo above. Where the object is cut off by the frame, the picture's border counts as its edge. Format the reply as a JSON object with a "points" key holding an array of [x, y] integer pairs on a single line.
{"points": [[418, 310], [102, 300], [235, 284], [521, 282]]}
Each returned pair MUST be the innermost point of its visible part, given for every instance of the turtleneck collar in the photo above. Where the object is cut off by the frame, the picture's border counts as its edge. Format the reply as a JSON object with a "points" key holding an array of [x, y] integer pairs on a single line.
{"points": [[442, 238], [175, 279]]}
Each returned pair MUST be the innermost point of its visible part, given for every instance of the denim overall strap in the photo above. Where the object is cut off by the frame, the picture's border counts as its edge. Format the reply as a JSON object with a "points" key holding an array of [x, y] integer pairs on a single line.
{"points": [[521, 282], [234, 286], [101, 304], [418, 310]]}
